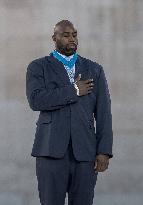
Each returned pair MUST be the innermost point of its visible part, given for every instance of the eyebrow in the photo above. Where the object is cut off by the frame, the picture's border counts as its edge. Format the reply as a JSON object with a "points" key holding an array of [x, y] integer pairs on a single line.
{"points": [[69, 32]]}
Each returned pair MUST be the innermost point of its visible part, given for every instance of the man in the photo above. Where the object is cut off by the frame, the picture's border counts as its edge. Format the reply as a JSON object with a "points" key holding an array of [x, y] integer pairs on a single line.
{"points": [[70, 92]]}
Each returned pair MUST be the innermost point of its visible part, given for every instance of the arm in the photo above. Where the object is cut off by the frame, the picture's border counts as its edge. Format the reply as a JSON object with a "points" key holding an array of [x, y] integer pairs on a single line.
{"points": [[103, 117], [40, 98]]}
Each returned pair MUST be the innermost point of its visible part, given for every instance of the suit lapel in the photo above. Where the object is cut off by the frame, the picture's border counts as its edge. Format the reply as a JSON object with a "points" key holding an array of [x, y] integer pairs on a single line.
{"points": [[60, 70]]}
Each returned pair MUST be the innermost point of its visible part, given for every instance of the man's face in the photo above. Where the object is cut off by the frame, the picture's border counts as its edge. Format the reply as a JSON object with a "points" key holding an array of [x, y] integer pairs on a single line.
{"points": [[66, 40]]}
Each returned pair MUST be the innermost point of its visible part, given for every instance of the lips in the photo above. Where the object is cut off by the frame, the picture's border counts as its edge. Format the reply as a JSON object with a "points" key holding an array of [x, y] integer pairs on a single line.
{"points": [[72, 45]]}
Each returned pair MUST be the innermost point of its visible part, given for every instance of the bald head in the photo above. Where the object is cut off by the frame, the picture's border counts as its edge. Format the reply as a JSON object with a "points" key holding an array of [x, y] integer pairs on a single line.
{"points": [[65, 37], [61, 25]]}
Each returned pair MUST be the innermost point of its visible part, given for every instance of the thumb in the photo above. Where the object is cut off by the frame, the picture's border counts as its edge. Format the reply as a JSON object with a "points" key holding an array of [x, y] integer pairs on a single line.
{"points": [[95, 164], [78, 78]]}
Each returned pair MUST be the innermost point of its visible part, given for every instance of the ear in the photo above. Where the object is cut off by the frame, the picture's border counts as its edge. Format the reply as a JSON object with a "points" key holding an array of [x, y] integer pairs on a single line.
{"points": [[53, 37]]}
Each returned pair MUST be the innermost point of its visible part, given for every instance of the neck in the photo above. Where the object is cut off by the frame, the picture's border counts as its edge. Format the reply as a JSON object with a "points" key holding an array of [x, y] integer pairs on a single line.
{"points": [[63, 53]]}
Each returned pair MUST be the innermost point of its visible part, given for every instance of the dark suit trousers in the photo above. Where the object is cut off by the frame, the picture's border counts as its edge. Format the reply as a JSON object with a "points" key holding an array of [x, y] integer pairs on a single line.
{"points": [[58, 176]]}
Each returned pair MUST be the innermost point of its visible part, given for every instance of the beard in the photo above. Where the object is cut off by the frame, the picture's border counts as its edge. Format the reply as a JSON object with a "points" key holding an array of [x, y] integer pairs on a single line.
{"points": [[68, 49]]}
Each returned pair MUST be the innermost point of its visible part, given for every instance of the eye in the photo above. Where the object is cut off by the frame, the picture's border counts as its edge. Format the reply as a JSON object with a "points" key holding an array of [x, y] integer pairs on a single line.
{"points": [[66, 36]]}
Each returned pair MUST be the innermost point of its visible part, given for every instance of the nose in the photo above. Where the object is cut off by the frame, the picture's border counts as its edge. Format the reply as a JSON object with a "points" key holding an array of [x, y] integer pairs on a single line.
{"points": [[71, 39]]}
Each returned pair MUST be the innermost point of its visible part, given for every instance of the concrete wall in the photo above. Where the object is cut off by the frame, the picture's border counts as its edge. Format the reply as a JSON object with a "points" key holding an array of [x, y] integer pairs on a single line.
{"points": [[111, 33]]}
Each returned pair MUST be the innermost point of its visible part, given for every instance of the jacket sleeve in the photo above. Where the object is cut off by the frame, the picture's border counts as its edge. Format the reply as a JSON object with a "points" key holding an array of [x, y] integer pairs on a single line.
{"points": [[103, 116], [41, 98]]}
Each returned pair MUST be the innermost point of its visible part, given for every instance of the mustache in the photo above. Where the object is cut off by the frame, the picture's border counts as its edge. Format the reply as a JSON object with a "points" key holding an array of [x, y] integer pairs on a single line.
{"points": [[72, 43]]}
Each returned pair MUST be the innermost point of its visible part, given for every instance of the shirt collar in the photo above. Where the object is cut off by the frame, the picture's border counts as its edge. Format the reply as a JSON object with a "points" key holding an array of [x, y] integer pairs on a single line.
{"points": [[66, 57]]}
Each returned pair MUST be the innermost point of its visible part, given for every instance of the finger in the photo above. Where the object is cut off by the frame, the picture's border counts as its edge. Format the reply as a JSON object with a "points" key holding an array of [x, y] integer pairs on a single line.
{"points": [[106, 162], [90, 87], [102, 170], [78, 78], [88, 80], [91, 84], [101, 167], [95, 164], [89, 91], [98, 165]]}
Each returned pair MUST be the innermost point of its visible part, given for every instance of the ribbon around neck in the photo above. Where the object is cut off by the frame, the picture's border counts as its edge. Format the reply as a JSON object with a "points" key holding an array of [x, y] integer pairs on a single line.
{"points": [[67, 63]]}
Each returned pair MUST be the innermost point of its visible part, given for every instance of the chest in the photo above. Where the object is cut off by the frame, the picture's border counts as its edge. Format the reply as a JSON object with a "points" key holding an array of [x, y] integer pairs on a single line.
{"points": [[57, 77]]}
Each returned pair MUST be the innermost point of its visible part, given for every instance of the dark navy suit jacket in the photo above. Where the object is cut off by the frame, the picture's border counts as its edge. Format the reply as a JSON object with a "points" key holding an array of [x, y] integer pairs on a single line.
{"points": [[87, 118]]}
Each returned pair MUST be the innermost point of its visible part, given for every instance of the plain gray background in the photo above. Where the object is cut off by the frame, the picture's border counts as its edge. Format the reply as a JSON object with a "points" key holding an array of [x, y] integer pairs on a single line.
{"points": [[111, 33]]}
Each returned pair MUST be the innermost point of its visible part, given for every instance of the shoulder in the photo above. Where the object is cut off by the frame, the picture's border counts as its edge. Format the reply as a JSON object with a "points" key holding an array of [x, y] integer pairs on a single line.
{"points": [[36, 65], [93, 65], [38, 61]]}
